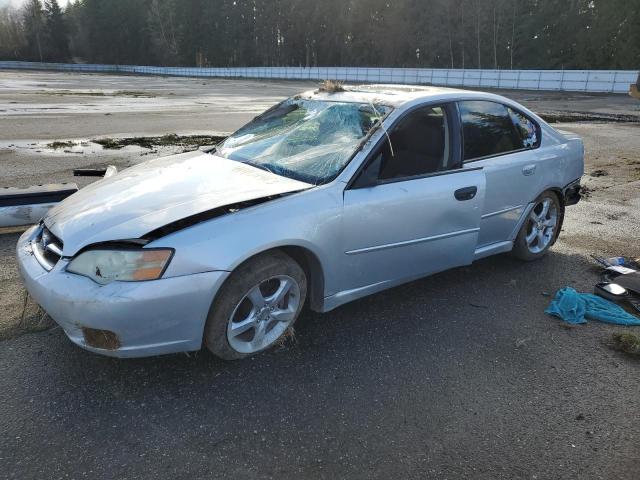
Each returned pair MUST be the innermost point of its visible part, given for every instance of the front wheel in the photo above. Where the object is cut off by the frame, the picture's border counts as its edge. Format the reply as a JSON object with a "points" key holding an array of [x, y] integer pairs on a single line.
{"points": [[256, 307], [540, 229]]}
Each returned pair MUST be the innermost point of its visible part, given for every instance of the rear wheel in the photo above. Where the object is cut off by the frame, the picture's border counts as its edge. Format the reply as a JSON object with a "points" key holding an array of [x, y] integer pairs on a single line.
{"points": [[540, 229], [256, 307]]}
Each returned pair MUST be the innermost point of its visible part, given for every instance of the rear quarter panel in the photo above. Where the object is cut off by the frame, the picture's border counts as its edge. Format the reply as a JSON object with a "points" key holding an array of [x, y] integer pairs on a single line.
{"points": [[561, 156]]}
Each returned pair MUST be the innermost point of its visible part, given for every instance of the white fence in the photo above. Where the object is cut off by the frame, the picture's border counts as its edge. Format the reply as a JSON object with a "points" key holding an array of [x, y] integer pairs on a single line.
{"points": [[612, 81]]}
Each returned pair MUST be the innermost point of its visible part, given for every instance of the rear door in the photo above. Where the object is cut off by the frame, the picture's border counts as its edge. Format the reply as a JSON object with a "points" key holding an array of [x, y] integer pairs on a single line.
{"points": [[414, 211], [504, 143]]}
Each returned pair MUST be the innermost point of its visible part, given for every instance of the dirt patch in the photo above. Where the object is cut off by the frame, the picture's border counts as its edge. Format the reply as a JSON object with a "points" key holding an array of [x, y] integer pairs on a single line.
{"points": [[84, 93], [628, 343], [585, 192], [57, 145], [571, 117], [187, 141]]}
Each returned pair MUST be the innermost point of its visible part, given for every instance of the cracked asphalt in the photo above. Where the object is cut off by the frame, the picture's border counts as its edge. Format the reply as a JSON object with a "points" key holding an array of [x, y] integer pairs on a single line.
{"points": [[459, 375]]}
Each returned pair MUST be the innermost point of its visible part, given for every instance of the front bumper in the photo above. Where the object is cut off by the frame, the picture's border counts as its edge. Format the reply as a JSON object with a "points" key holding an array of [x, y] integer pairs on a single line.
{"points": [[148, 318]]}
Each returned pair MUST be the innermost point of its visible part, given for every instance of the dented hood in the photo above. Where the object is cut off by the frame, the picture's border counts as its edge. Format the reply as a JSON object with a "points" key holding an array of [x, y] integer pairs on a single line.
{"points": [[158, 192]]}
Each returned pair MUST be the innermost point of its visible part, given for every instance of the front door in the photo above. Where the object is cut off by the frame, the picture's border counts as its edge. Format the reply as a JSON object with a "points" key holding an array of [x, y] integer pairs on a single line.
{"points": [[417, 214]]}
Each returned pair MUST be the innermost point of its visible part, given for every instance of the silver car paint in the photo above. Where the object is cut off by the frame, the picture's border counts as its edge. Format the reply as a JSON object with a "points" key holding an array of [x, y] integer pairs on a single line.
{"points": [[156, 193], [150, 318], [408, 229], [363, 240]]}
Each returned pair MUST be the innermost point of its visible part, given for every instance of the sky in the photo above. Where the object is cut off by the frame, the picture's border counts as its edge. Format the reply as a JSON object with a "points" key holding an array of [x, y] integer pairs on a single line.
{"points": [[17, 3]]}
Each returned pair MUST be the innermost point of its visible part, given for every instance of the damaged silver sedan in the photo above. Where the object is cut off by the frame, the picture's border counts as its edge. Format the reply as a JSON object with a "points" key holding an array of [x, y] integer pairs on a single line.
{"points": [[323, 199]]}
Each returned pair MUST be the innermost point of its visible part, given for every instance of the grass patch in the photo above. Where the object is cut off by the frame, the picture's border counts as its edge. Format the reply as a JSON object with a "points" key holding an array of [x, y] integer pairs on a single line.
{"points": [[186, 141], [130, 93], [289, 336], [58, 145], [628, 343]]}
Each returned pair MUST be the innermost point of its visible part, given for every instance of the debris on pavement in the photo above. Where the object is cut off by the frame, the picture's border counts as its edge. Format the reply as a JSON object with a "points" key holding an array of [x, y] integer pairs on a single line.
{"points": [[633, 264], [575, 308], [26, 206], [630, 282], [109, 171], [627, 343], [621, 270], [619, 281], [188, 142], [611, 291]]}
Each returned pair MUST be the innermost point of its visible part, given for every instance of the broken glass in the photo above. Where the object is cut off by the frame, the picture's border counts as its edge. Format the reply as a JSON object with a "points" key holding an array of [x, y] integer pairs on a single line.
{"points": [[308, 140]]}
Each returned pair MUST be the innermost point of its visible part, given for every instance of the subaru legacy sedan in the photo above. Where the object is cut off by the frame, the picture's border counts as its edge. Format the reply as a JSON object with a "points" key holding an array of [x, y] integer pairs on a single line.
{"points": [[329, 196]]}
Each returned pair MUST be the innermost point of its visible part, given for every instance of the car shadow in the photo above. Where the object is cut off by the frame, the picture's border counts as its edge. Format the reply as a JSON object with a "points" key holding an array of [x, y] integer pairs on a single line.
{"points": [[440, 310], [443, 364]]}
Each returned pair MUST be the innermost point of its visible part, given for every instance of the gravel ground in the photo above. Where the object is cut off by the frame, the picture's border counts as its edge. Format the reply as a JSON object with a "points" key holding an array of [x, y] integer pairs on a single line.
{"points": [[460, 375]]}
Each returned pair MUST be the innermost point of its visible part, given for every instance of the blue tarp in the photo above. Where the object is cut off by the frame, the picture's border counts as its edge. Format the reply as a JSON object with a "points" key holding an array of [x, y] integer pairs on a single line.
{"points": [[573, 307]]}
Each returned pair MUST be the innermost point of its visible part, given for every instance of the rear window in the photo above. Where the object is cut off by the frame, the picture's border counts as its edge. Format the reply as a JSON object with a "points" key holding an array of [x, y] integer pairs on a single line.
{"points": [[527, 128], [488, 130]]}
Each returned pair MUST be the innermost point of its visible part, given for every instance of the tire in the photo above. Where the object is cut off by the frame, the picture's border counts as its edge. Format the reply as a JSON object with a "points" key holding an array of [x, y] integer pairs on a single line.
{"points": [[546, 217], [244, 321]]}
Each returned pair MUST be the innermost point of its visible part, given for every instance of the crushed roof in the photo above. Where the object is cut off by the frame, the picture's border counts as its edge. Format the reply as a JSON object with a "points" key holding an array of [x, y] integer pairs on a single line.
{"points": [[392, 95]]}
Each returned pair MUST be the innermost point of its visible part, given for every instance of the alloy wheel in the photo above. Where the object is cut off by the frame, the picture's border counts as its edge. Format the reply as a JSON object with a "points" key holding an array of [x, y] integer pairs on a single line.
{"points": [[541, 226], [264, 314]]}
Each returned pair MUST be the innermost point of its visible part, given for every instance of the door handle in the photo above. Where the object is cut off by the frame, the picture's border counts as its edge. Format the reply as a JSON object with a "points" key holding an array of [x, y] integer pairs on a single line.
{"points": [[467, 193], [529, 170]]}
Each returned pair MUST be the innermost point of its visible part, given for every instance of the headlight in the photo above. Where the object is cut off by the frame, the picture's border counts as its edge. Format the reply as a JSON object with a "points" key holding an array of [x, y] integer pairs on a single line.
{"points": [[106, 266]]}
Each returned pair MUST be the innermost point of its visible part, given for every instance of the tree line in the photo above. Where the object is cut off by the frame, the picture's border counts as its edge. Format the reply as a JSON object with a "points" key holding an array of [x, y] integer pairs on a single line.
{"points": [[500, 34]]}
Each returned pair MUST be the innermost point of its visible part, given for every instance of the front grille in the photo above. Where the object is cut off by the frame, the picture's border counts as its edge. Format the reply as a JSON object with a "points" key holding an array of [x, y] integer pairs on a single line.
{"points": [[47, 248]]}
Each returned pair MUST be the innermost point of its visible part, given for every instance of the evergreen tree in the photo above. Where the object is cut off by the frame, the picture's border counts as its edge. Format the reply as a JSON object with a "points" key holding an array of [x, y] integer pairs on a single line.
{"points": [[501, 34], [56, 32]]}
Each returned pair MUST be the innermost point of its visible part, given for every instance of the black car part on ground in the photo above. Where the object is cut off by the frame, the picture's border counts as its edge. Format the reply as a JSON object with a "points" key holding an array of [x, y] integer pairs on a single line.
{"points": [[26, 206], [38, 194], [95, 172]]}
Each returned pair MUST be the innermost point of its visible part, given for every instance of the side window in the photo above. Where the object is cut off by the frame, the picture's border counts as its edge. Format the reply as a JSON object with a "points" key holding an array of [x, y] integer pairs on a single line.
{"points": [[528, 130], [419, 145], [487, 129]]}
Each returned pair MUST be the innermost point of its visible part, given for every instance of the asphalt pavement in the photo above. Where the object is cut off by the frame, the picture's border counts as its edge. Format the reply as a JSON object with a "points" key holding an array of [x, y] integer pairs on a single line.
{"points": [[460, 375]]}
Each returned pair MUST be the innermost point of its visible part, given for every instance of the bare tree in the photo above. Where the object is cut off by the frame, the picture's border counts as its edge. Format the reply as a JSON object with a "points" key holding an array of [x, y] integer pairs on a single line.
{"points": [[495, 37], [478, 45], [12, 37], [512, 46], [449, 32], [161, 24], [34, 26]]}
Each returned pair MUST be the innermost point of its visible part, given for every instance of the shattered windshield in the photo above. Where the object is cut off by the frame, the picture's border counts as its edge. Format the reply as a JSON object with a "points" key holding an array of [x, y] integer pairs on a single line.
{"points": [[307, 140]]}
